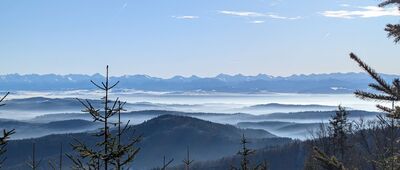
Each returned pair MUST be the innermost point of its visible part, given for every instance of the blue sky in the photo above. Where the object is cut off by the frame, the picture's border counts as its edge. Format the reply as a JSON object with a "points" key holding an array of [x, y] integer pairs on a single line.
{"points": [[194, 37]]}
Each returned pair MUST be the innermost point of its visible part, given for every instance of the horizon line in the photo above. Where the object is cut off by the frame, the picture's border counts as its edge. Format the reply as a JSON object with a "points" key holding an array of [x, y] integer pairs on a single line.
{"points": [[171, 77]]}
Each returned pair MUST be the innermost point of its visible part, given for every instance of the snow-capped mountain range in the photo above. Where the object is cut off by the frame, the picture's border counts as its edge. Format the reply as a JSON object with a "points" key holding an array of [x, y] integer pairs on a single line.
{"points": [[312, 83]]}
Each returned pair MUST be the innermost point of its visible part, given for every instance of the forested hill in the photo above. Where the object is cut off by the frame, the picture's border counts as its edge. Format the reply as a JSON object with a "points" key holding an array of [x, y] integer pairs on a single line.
{"points": [[167, 135]]}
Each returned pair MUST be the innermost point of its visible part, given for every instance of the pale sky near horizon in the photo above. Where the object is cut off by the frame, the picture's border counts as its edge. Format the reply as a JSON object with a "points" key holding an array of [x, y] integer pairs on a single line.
{"points": [[195, 37]]}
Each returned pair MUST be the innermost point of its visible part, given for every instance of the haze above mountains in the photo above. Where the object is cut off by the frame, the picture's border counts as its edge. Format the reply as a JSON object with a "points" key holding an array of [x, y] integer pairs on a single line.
{"points": [[313, 83]]}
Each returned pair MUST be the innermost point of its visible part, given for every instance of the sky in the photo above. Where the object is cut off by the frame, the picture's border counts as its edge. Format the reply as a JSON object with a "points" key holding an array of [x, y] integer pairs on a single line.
{"points": [[195, 37]]}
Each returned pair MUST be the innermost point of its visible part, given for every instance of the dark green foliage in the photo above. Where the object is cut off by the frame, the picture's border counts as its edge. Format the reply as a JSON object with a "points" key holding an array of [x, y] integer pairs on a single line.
{"points": [[109, 150], [334, 144], [392, 29], [389, 2], [374, 145], [4, 139], [245, 154], [340, 128], [389, 93], [124, 154], [3, 144], [328, 163]]}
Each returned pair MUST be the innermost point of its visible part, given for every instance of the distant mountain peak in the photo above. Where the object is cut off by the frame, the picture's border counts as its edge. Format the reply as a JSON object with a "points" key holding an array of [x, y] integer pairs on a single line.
{"points": [[239, 83]]}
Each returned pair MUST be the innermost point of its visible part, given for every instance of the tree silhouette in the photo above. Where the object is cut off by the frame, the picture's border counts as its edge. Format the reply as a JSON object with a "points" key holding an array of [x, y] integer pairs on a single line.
{"points": [[335, 144], [187, 161], [389, 93], [110, 151], [340, 128], [4, 139], [245, 153], [166, 164], [60, 160], [392, 29], [123, 154], [33, 163]]}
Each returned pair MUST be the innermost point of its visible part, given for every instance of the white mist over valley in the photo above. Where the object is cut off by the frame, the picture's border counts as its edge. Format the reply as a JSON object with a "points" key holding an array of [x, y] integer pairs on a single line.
{"points": [[216, 102], [296, 113]]}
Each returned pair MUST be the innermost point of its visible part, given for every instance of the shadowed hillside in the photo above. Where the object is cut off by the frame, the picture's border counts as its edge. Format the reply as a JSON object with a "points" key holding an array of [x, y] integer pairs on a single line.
{"points": [[32, 130], [165, 135]]}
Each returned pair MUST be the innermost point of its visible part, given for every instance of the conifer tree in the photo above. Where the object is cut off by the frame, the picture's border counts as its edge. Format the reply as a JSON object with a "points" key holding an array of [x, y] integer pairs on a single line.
{"points": [[340, 127], [245, 153], [389, 93], [166, 164], [187, 161], [53, 165], [4, 139], [123, 153], [111, 150], [34, 163], [392, 29]]}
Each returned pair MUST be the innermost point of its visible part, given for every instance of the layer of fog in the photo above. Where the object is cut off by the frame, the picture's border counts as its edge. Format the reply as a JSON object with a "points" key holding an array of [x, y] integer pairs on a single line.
{"points": [[228, 103], [209, 102]]}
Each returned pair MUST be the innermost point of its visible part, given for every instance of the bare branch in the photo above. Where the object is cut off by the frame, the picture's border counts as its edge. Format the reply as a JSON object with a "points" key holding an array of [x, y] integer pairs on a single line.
{"points": [[102, 88]]}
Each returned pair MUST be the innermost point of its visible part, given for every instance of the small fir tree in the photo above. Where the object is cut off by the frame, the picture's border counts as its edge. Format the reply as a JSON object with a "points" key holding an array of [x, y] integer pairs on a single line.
{"points": [[111, 150]]}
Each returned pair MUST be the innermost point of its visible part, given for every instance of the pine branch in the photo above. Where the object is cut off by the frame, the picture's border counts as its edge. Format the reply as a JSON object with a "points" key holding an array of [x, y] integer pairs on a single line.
{"points": [[389, 2], [327, 162], [382, 83], [166, 164], [4, 139], [1, 99], [393, 31]]}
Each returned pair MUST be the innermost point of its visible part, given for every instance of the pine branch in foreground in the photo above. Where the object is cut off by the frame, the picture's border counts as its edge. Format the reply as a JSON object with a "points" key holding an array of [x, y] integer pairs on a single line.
{"points": [[392, 29], [328, 163], [4, 139], [389, 93]]}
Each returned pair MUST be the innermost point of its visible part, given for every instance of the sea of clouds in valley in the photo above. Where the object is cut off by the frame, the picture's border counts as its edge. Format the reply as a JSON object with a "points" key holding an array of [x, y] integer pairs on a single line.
{"points": [[27, 106]]}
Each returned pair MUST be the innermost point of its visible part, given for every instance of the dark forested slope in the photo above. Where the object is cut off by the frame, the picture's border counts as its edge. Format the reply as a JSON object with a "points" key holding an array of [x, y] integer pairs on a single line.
{"points": [[165, 135]]}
